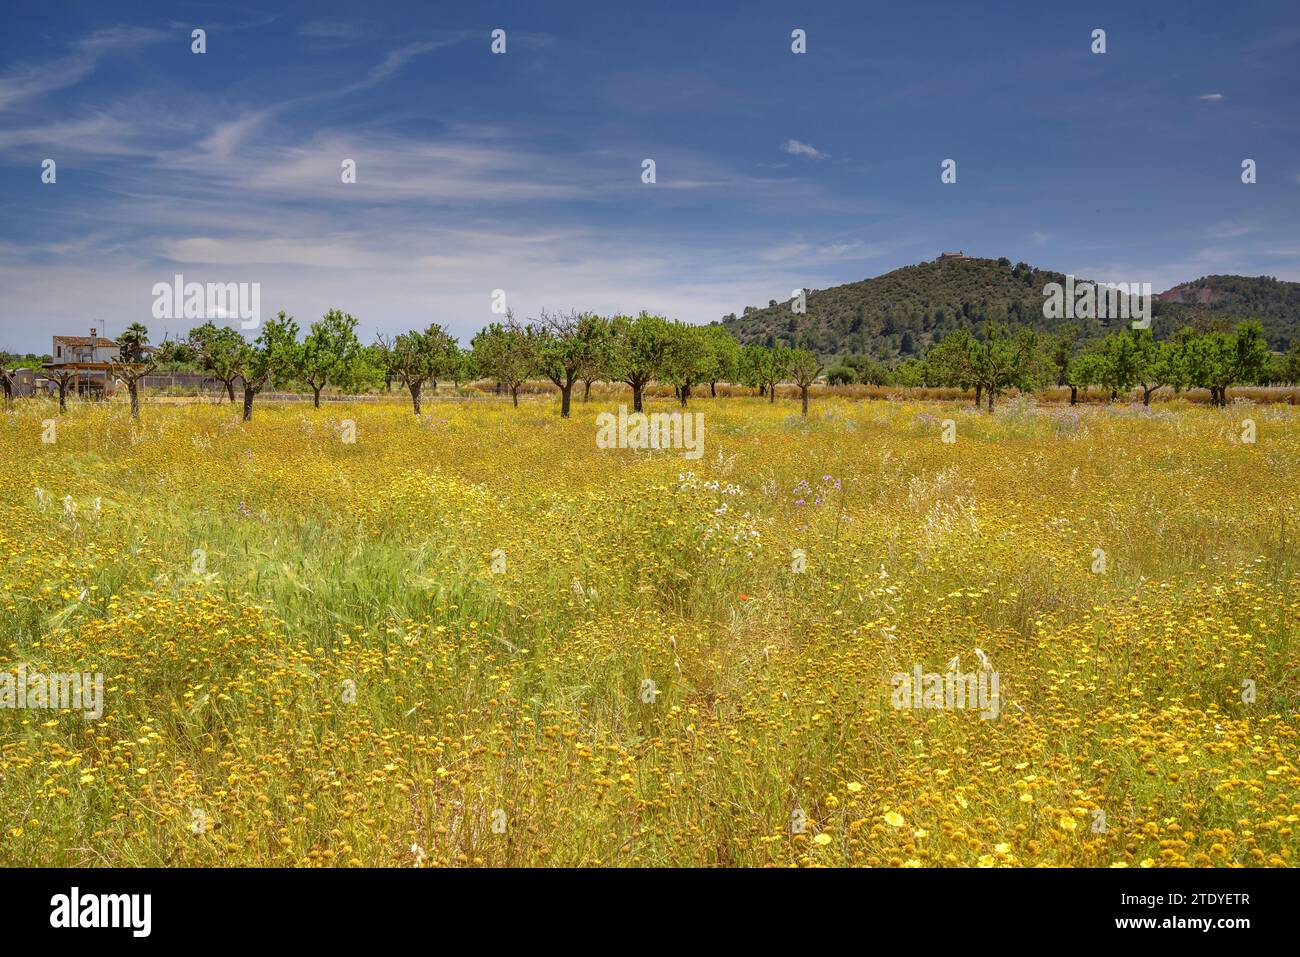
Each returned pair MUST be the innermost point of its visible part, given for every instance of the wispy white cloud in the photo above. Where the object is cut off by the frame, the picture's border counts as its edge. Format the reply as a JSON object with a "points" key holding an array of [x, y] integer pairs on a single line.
{"points": [[1212, 97], [397, 58], [226, 137], [98, 134], [796, 148], [25, 82], [390, 169], [805, 252]]}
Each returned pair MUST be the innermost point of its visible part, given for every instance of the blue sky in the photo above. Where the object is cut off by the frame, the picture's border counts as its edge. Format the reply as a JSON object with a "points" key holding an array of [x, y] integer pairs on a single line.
{"points": [[522, 171]]}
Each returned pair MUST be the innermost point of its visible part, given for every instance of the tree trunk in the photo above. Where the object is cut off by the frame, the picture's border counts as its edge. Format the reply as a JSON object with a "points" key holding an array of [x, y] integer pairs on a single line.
{"points": [[514, 394], [230, 390], [1146, 396], [636, 397], [9, 390], [63, 397], [990, 401], [685, 393], [762, 389], [315, 396], [586, 389], [565, 392], [248, 404], [416, 388], [771, 394], [1074, 395], [1114, 394], [713, 390], [133, 387], [979, 395], [804, 390]]}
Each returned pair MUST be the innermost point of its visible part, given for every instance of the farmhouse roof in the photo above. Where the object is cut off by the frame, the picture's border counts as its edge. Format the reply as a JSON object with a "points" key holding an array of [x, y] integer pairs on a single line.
{"points": [[98, 342]]}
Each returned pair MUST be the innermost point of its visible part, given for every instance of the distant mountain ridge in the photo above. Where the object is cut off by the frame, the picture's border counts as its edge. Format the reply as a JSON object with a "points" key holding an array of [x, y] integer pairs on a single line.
{"points": [[900, 313]]}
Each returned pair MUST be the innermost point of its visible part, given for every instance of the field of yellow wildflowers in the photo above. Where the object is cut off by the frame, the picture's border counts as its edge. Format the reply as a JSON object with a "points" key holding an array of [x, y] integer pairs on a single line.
{"points": [[475, 638]]}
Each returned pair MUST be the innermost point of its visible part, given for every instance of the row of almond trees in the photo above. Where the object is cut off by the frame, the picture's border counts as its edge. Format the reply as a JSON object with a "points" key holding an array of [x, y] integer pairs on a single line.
{"points": [[571, 348], [1124, 360], [564, 348], [636, 351]]}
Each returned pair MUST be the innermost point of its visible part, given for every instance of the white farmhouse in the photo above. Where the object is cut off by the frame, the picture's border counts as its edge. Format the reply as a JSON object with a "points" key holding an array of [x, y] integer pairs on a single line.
{"points": [[90, 357]]}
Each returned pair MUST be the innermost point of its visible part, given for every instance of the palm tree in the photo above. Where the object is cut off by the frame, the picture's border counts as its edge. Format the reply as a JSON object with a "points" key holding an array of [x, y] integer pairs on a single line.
{"points": [[132, 363], [132, 341]]}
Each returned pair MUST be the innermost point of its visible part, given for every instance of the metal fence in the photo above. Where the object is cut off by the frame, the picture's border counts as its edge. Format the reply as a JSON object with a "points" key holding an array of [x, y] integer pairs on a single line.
{"points": [[183, 381]]}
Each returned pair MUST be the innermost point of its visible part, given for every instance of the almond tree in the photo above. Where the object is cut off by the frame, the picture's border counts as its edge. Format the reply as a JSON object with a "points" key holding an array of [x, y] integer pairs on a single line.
{"points": [[639, 352], [775, 369], [1159, 364], [220, 349], [461, 367], [443, 353], [268, 359], [724, 363], [1250, 358], [507, 352], [763, 367], [598, 369], [1120, 363], [803, 367], [567, 347], [754, 360], [998, 362], [1218, 360], [62, 378], [951, 361], [328, 353], [412, 358], [1062, 360], [690, 359], [1088, 369], [133, 363]]}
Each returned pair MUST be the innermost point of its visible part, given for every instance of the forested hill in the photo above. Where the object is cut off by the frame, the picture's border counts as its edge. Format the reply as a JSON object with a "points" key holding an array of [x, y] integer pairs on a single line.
{"points": [[900, 313], [1206, 301]]}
